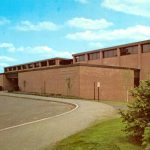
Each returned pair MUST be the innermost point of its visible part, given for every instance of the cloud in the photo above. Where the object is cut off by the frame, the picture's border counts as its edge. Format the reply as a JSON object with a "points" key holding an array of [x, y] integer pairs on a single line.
{"points": [[6, 58], [29, 26], [82, 1], [96, 45], [138, 32], [43, 50], [85, 23], [38, 49], [4, 21], [134, 7], [9, 46]]}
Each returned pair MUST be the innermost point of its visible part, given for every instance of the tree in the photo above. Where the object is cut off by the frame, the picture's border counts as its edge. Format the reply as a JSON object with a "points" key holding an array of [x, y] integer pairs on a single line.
{"points": [[146, 138], [137, 116]]}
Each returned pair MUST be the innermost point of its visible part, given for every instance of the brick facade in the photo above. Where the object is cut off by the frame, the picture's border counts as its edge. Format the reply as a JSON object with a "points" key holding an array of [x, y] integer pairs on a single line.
{"points": [[116, 69]]}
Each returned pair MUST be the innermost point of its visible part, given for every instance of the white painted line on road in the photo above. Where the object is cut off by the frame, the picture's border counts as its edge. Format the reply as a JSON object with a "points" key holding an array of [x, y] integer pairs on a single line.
{"points": [[36, 121]]}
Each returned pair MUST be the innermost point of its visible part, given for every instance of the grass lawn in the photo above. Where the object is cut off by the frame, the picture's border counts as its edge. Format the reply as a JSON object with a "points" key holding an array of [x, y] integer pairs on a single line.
{"points": [[105, 135]]}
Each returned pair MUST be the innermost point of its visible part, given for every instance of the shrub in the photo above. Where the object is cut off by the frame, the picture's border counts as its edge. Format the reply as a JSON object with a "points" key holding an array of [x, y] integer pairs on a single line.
{"points": [[146, 138], [137, 116]]}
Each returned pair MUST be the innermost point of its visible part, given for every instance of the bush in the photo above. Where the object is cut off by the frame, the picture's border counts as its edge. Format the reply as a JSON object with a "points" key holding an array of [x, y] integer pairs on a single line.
{"points": [[146, 138], [137, 116]]}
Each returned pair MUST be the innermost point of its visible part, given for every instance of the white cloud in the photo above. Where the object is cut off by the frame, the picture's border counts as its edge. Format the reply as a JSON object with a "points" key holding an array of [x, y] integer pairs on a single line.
{"points": [[135, 7], [96, 45], [138, 32], [8, 46], [64, 54], [38, 49], [82, 1], [43, 50], [6, 58], [29, 26], [85, 23], [4, 21]]}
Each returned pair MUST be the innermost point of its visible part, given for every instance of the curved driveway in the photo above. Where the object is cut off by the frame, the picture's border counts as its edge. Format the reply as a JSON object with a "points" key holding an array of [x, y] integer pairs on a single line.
{"points": [[38, 135]]}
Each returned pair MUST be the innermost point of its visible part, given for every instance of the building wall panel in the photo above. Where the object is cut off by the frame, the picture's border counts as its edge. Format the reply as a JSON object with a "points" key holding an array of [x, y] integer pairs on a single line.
{"points": [[113, 83], [145, 65], [63, 81], [130, 61], [110, 61]]}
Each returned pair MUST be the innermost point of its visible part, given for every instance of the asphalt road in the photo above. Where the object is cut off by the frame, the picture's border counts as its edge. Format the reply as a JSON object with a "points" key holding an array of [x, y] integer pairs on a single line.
{"points": [[15, 111], [38, 135]]}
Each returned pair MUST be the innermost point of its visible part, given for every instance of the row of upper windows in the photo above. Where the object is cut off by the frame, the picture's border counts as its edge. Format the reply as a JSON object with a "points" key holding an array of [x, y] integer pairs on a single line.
{"points": [[113, 53], [32, 65]]}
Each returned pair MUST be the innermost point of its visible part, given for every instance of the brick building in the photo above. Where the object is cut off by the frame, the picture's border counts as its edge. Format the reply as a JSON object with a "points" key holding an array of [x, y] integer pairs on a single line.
{"points": [[106, 73]]}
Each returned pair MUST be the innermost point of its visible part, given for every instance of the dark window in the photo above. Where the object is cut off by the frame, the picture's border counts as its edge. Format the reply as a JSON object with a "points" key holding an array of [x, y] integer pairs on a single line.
{"points": [[44, 63], [36, 65], [19, 67], [128, 50], [80, 58], [110, 53], [14, 68], [30, 65], [66, 62], [10, 69], [94, 56], [24, 67], [146, 48], [51, 62]]}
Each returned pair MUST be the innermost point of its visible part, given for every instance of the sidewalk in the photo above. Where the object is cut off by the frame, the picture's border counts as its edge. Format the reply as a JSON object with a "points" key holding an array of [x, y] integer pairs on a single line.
{"points": [[39, 135]]}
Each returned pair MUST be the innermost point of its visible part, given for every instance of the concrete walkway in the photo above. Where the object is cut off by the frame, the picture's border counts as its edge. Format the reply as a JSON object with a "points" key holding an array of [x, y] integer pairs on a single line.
{"points": [[38, 135]]}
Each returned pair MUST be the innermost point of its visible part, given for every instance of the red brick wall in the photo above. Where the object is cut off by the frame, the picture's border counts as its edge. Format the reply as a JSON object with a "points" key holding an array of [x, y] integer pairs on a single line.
{"points": [[51, 81], [82, 80], [114, 82], [145, 65], [110, 61], [1, 80], [130, 61]]}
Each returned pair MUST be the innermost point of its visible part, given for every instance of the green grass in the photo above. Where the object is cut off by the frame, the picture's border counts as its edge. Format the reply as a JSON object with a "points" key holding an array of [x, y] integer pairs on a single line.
{"points": [[105, 135]]}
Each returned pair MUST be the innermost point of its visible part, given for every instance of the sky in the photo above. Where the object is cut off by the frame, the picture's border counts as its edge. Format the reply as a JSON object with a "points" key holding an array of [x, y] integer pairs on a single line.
{"points": [[32, 30]]}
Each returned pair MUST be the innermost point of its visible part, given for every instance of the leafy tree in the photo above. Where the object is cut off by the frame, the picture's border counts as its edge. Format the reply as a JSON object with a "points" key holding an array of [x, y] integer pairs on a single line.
{"points": [[137, 116], [146, 138]]}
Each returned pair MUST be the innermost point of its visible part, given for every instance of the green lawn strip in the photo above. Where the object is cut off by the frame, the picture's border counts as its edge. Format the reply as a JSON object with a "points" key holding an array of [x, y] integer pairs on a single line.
{"points": [[105, 135]]}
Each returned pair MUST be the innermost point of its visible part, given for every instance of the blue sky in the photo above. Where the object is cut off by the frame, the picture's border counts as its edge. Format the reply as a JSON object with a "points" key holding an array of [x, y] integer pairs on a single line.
{"points": [[39, 29]]}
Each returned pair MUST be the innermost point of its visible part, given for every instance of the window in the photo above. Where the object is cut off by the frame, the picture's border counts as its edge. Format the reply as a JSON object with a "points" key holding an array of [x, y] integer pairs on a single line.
{"points": [[30, 65], [10, 69], [80, 58], [110, 53], [44, 63], [14, 68], [36, 65], [51, 62], [129, 50], [94, 56], [19, 67], [146, 48], [66, 62], [24, 67]]}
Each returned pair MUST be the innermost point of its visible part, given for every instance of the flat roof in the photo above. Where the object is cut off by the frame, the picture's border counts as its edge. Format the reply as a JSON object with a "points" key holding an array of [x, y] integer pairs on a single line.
{"points": [[55, 58], [112, 47], [73, 65]]}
